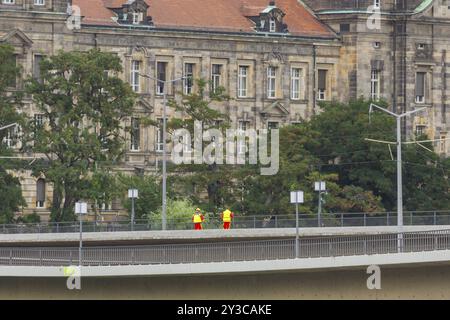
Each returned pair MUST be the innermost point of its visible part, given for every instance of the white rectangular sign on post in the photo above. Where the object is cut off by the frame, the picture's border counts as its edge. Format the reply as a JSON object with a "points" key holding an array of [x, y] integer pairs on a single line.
{"points": [[133, 193], [320, 186], [81, 208], [296, 197]]}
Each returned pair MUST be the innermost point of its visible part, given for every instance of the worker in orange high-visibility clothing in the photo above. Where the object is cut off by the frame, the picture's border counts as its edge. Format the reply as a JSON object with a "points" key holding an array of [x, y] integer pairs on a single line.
{"points": [[197, 219], [227, 216]]}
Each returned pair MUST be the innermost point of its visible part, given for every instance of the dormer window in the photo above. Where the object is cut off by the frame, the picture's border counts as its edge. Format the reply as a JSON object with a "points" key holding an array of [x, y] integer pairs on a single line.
{"points": [[273, 25], [136, 17], [132, 12], [270, 19]]}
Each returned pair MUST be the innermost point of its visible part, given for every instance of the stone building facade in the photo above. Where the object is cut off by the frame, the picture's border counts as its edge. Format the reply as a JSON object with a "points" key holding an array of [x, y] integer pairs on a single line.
{"points": [[276, 59], [266, 55], [402, 57]]}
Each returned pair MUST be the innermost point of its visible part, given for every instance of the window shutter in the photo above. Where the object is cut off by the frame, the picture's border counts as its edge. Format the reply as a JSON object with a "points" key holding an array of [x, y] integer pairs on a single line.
{"points": [[420, 84], [322, 81]]}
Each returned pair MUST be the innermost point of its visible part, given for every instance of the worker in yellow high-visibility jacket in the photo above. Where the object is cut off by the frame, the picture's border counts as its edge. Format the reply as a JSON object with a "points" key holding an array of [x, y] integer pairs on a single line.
{"points": [[227, 216], [197, 219]]}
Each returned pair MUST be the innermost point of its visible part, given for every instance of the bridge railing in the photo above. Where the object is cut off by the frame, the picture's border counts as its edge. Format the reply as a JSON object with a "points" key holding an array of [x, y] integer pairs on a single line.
{"points": [[239, 222], [310, 247]]}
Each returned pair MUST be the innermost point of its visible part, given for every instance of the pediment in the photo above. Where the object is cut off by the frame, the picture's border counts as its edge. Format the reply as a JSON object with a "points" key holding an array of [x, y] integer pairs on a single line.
{"points": [[16, 37], [143, 105], [276, 109]]}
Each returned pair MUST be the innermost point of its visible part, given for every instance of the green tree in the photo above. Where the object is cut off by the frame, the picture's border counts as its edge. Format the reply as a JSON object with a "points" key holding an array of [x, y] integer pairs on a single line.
{"points": [[179, 214], [341, 148], [10, 100], [84, 104], [209, 186], [149, 199]]}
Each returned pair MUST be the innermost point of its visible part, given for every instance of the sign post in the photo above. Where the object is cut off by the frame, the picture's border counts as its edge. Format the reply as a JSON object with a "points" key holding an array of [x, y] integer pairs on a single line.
{"points": [[296, 198], [80, 209], [132, 194]]}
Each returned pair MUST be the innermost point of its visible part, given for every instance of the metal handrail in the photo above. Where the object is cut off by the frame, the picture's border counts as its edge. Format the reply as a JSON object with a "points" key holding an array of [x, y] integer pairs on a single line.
{"points": [[310, 247], [240, 222]]}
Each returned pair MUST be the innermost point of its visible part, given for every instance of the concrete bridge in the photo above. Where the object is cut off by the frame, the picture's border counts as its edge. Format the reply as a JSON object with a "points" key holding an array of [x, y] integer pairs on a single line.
{"points": [[332, 264]]}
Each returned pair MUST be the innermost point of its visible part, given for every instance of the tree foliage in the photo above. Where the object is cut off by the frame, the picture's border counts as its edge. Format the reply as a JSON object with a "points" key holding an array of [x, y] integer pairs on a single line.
{"points": [[84, 104], [11, 198]]}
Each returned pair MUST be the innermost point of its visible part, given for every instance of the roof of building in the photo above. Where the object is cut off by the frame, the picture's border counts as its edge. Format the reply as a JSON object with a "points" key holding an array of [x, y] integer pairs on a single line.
{"points": [[208, 15]]}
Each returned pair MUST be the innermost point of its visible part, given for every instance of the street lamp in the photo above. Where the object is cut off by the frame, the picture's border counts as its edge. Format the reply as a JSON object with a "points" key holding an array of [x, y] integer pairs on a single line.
{"points": [[296, 198], [80, 209], [399, 166], [320, 187], [164, 186], [132, 194]]}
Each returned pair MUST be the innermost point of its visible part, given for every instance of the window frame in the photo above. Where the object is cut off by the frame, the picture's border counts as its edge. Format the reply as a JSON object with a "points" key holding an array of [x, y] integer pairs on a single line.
{"points": [[375, 84], [216, 78], [135, 75], [135, 136], [296, 79], [243, 81], [271, 82], [160, 86], [188, 82], [420, 99]]}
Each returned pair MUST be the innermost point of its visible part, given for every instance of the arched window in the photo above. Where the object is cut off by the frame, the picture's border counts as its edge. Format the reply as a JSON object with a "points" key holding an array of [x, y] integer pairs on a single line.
{"points": [[40, 193]]}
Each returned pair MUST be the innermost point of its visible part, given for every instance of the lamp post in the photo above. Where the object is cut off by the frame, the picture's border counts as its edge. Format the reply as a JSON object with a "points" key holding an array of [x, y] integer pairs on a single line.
{"points": [[132, 194], [80, 209], [399, 166], [296, 198], [164, 174], [319, 186]]}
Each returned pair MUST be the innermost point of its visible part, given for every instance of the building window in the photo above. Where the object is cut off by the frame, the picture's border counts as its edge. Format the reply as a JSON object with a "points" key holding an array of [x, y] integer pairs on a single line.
{"points": [[184, 141], [188, 77], [136, 16], [377, 4], [40, 193], [420, 87], [161, 70], [216, 77], [11, 137], [375, 85], [135, 134], [271, 82], [242, 81], [295, 83], [135, 80], [8, 2], [37, 67], [322, 85], [273, 125], [12, 82], [272, 25], [242, 128], [420, 130], [39, 120], [39, 2], [443, 143], [344, 27], [159, 136]]}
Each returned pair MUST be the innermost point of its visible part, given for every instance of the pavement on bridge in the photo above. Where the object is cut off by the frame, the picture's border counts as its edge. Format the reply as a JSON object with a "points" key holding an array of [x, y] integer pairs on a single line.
{"points": [[190, 236]]}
